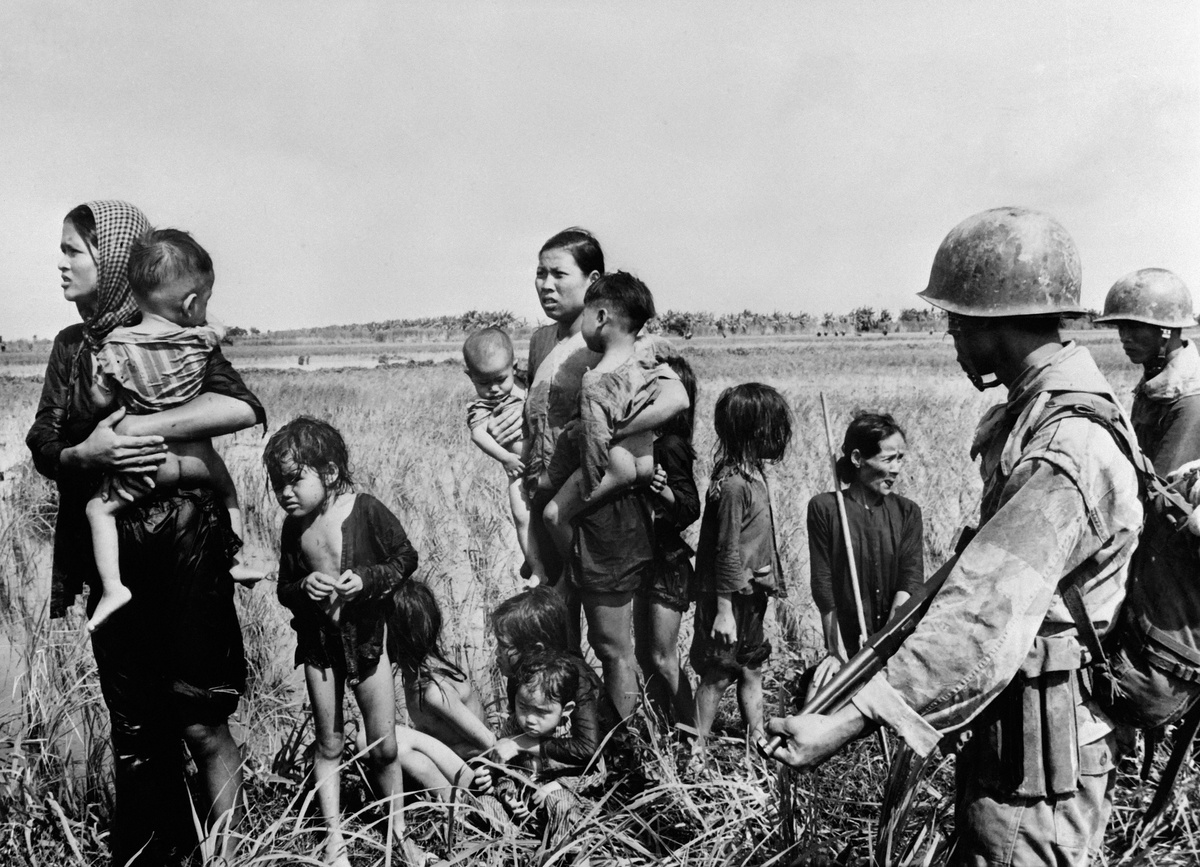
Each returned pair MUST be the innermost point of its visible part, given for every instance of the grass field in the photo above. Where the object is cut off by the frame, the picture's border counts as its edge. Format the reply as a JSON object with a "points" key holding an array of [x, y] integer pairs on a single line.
{"points": [[409, 446]]}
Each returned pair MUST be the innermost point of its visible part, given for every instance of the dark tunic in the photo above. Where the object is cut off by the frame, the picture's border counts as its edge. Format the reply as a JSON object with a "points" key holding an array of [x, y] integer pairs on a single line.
{"points": [[376, 548], [671, 579], [888, 551]]}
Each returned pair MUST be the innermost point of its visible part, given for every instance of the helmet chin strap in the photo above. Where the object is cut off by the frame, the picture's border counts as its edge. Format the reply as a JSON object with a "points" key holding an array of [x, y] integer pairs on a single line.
{"points": [[980, 383], [1161, 361]]}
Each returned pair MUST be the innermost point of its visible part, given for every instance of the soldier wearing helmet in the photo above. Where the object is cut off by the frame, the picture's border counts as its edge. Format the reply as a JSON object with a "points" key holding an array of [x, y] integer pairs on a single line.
{"points": [[1150, 308], [997, 653]]}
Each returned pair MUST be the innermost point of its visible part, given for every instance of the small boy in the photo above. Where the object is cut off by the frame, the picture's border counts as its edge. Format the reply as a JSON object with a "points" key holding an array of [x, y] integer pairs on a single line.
{"points": [[491, 366], [621, 385], [547, 687], [156, 365]]}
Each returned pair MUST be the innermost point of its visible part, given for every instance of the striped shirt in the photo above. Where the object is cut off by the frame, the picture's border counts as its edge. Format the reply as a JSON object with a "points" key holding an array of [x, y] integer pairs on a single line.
{"points": [[157, 364]]}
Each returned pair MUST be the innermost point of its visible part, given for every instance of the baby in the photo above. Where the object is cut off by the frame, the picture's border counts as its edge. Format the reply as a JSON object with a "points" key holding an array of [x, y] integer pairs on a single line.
{"points": [[156, 365], [491, 366], [621, 385]]}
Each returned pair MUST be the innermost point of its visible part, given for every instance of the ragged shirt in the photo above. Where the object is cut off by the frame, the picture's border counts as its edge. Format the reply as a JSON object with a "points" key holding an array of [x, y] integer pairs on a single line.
{"points": [[1166, 411], [1054, 497], [157, 364], [737, 538]]}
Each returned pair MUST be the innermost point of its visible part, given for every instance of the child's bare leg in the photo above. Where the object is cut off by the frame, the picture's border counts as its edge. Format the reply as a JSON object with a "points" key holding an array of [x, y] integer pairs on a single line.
{"points": [[106, 548], [376, 695], [750, 703], [325, 688], [560, 513], [713, 684], [526, 538], [630, 461], [434, 766]]}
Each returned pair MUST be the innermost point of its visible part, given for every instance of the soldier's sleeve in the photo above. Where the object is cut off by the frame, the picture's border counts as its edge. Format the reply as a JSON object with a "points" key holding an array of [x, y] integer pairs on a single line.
{"points": [[984, 620]]}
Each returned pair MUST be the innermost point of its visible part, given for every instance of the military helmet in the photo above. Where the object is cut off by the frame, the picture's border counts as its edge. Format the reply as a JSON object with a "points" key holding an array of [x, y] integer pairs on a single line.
{"points": [[1006, 262], [1152, 295]]}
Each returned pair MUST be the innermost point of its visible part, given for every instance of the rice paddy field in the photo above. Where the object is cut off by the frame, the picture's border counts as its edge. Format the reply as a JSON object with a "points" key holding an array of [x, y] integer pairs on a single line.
{"points": [[409, 445]]}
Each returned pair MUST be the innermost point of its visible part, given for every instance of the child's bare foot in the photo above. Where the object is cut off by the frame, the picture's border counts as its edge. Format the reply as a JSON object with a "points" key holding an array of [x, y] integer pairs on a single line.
{"points": [[111, 601], [335, 852], [247, 575]]}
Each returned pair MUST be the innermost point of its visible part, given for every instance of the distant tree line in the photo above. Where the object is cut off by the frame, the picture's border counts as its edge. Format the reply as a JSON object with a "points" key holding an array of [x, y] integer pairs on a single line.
{"points": [[860, 320]]}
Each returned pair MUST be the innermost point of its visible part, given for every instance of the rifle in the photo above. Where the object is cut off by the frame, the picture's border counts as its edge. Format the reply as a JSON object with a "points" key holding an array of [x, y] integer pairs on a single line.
{"points": [[873, 655]]}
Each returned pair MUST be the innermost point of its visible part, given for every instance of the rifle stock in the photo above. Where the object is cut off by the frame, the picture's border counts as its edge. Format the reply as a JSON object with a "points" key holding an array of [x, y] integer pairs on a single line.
{"points": [[874, 655]]}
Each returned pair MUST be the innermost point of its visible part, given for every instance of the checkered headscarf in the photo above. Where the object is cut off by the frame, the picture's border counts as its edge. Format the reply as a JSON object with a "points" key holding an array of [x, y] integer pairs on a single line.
{"points": [[117, 225]]}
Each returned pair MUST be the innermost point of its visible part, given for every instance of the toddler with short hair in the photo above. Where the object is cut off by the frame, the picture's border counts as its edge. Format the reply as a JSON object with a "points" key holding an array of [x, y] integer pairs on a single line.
{"points": [[156, 365], [622, 384], [491, 367]]}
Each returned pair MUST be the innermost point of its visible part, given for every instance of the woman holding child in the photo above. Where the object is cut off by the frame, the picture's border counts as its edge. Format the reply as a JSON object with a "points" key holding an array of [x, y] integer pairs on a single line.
{"points": [[171, 662], [614, 547]]}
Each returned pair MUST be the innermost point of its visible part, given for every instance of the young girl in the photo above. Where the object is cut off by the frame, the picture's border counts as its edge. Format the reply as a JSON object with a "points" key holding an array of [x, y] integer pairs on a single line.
{"points": [[535, 621], [341, 556], [659, 604], [737, 564], [444, 708]]}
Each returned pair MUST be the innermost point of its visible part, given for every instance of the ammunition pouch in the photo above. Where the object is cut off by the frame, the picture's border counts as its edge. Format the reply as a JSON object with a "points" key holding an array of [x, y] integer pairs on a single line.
{"points": [[1030, 741]]}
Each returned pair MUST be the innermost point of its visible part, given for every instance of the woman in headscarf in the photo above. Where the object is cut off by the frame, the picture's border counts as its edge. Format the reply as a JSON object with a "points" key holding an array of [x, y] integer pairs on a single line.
{"points": [[171, 663]]}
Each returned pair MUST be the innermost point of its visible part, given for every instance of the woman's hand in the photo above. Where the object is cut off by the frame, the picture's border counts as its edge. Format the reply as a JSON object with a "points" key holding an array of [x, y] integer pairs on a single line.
{"points": [[658, 481], [349, 585], [107, 450], [507, 426], [319, 586]]}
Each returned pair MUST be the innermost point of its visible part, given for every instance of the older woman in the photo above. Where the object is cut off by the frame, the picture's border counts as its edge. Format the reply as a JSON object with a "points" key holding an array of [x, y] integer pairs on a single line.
{"points": [[886, 535], [171, 663]]}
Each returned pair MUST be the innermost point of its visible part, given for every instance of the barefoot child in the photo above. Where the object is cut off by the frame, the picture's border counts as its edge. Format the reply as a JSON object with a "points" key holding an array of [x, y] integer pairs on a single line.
{"points": [[737, 564], [491, 366], [342, 554], [155, 365], [621, 385], [447, 716]]}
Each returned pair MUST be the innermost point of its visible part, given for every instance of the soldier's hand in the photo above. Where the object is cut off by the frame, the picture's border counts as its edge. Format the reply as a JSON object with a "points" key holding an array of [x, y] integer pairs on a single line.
{"points": [[809, 739]]}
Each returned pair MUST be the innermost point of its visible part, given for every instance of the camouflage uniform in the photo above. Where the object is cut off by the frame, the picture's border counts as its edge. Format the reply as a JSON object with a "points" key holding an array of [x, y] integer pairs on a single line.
{"points": [[1034, 780]]}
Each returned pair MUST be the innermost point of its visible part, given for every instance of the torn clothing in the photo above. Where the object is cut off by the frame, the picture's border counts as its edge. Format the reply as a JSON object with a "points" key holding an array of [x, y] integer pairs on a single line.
{"points": [[157, 364]]}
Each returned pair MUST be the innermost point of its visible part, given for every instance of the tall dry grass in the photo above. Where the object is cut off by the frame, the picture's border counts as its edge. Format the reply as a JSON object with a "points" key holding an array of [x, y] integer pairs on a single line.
{"points": [[405, 428]]}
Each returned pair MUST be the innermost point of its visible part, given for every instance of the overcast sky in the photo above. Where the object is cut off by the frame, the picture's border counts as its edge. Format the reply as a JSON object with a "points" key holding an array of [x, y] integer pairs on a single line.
{"points": [[347, 162]]}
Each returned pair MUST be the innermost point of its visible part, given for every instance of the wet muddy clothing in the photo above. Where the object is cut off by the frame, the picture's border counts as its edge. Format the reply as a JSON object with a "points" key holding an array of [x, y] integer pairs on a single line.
{"points": [[376, 548], [888, 553], [173, 656], [556, 369], [481, 409], [998, 644], [736, 554], [670, 581]]}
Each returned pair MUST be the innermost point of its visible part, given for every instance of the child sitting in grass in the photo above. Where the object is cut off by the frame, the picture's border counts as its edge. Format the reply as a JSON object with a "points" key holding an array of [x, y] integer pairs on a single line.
{"points": [[547, 686], [621, 385], [535, 621], [155, 365], [447, 716], [491, 366]]}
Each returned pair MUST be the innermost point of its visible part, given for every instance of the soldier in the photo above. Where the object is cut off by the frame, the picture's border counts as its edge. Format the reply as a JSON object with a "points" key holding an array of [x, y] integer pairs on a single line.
{"points": [[997, 652], [1150, 308]]}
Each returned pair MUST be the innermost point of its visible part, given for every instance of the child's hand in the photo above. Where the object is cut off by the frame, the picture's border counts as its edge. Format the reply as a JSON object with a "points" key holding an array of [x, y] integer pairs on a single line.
{"points": [[514, 466], [539, 797], [349, 585], [517, 807], [724, 628], [505, 750], [318, 586], [658, 481]]}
